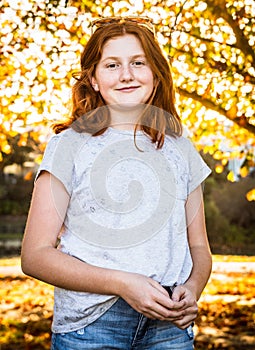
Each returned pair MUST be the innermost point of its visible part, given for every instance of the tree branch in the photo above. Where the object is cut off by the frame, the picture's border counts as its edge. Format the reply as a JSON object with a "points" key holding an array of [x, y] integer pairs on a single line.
{"points": [[241, 122], [218, 66], [218, 7], [211, 41]]}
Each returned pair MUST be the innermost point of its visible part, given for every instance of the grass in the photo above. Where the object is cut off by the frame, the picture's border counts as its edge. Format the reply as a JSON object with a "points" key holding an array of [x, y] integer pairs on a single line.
{"points": [[10, 236], [13, 261], [226, 318], [233, 258]]}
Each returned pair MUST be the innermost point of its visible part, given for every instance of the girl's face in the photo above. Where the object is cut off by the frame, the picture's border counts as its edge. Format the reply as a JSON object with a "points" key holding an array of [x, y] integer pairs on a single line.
{"points": [[123, 75]]}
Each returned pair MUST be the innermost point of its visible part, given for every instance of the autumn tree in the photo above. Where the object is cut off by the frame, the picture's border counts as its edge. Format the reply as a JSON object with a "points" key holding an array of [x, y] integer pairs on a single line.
{"points": [[210, 45]]}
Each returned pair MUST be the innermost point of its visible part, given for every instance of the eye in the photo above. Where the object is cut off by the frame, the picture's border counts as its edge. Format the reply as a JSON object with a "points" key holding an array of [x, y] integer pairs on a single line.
{"points": [[138, 63], [112, 66]]}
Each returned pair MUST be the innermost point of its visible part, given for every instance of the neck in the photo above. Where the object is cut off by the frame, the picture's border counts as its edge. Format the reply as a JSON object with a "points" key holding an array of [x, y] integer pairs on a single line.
{"points": [[125, 117]]}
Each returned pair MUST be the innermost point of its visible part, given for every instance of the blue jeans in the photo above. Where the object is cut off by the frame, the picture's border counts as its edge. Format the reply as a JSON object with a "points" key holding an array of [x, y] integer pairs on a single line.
{"points": [[123, 328]]}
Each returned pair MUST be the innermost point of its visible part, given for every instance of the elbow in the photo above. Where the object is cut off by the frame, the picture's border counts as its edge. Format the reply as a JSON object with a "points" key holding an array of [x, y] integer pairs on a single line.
{"points": [[34, 260], [25, 264], [29, 267], [28, 263]]}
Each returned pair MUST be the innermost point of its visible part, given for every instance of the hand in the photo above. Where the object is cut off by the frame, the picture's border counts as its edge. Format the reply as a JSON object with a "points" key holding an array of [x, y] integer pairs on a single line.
{"points": [[148, 297], [184, 316]]}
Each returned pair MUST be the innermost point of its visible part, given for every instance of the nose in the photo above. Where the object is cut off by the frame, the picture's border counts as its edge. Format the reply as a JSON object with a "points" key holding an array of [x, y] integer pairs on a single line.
{"points": [[126, 73]]}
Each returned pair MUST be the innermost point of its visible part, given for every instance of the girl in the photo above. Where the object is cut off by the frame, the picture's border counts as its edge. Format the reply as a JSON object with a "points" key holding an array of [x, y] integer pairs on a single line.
{"points": [[116, 221]]}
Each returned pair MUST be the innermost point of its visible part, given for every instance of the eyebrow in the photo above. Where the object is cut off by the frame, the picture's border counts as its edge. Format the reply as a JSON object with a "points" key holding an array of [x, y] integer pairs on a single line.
{"points": [[130, 57]]}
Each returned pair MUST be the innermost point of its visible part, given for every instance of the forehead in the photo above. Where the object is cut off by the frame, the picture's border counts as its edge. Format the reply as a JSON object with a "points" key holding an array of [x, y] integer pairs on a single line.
{"points": [[121, 46]]}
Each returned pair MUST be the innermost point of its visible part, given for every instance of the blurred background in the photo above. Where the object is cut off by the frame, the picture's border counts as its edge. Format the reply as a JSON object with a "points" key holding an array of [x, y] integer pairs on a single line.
{"points": [[210, 46]]}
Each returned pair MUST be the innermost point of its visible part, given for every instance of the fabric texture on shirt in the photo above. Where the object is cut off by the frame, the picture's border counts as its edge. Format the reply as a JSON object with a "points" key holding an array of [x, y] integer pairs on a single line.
{"points": [[116, 218]]}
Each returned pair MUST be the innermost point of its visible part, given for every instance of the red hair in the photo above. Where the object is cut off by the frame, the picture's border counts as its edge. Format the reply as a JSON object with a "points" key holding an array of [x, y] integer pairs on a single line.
{"points": [[86, 111]]}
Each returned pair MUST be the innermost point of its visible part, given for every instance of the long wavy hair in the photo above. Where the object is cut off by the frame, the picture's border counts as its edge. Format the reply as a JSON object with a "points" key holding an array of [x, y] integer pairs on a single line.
{"points": [[159, 119]]}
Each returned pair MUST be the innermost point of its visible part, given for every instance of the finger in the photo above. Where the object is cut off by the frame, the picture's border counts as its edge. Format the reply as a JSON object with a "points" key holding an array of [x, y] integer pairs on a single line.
{"points": [[153, 315], [159, 288], [185, 321], [175, 315], [162, 307], [178, 293], [158, 311], [164, 299], [163, 303], [183, 324]]}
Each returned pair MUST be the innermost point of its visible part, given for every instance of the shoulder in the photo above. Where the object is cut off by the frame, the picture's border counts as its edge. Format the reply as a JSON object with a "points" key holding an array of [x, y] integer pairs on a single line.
{"points": [[194, 163], [180, 143], [68, 135], [67, 142]]}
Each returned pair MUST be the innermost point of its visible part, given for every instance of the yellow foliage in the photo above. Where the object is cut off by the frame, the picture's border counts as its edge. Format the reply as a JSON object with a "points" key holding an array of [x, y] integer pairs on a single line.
{"points": [[28, 176], [217, 155], [232, 112], [224, 161], [6, 148], [231, 176], [219, 168], [251, 195], [13, 133], [244, 171], [226, 305], [38, 159], [40, 53], [206, 149], [23, 140]]}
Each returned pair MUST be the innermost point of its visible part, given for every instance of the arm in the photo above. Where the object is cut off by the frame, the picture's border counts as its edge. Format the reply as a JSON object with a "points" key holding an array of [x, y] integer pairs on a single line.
{"points": [[198, 243], [41, 259], [202, 261], [39, 256]]}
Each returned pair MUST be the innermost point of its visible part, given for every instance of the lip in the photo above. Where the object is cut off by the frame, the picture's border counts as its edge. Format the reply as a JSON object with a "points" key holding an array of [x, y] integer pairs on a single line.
{"points": [[128, 88]]}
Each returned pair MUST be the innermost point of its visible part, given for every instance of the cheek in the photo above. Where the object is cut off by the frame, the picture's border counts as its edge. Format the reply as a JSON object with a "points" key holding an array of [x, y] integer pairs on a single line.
{"points": [[147, 77], [150, 81], [107, 81]]}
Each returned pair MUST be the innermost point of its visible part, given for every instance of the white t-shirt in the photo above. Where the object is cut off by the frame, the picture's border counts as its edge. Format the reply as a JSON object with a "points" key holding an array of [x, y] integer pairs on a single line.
{"points": [[126, 210]]}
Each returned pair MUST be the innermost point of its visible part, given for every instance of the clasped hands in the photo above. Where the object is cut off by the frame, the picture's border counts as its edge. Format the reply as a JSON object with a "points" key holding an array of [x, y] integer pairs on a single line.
{"points": [[148, 297]]}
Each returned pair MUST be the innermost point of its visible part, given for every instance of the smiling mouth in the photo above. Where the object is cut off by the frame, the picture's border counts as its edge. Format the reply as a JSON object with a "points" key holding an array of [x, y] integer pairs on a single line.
{"points": [[128, 88]]}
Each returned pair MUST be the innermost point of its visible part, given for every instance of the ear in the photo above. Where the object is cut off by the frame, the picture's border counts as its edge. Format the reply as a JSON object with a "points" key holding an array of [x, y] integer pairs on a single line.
{"points": [[94, 84]]}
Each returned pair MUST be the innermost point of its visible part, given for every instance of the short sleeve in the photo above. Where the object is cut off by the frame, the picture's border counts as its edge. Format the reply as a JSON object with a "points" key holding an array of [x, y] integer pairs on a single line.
{"points": [[198, 170], [58, 159]]}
